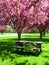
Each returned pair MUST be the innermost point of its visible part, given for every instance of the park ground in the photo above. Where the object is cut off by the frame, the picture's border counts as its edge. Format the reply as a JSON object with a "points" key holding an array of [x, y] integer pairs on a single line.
{"points": [[9, 57]]}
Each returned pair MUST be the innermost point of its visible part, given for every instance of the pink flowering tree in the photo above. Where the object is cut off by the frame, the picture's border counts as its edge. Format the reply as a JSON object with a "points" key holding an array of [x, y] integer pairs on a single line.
{"points": [[41, 16], [21, 15], [14, 13]]}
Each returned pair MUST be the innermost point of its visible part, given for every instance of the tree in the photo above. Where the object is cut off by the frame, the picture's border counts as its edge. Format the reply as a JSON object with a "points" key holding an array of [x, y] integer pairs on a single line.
{"points": [[22, 17], [40, 15], [13, 12], [41, 19]]}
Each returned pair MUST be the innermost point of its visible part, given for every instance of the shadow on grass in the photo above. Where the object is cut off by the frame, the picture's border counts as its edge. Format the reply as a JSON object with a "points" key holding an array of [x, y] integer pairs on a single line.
{"points": [[5, 52], [36, 39], [46, 56], [8, 54], [30, 39], [27, 53], [47, 63], [13, 50]]}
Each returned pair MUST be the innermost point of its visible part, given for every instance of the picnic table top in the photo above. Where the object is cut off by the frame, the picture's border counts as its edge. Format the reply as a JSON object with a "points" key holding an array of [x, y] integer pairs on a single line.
{"points": [[39, 42], [23, 41], [26, 41]]}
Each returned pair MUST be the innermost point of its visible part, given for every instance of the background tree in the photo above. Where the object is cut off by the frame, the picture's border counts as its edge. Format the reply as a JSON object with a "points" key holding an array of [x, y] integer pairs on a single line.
{"points": [[41, 19]]}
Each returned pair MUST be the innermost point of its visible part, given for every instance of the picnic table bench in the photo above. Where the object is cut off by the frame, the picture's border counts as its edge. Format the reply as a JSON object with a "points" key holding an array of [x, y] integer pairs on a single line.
{"points": [[22, 45]]}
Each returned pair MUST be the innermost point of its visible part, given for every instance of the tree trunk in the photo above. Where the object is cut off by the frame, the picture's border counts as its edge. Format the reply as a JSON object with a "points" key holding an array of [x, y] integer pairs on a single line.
{"points": [[44, 33], [40, 31], [19, 36], [40, 35]]}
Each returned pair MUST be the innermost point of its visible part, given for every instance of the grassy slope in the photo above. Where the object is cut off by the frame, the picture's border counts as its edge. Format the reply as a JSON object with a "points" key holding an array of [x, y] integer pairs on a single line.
{"points": [[9, 58]]}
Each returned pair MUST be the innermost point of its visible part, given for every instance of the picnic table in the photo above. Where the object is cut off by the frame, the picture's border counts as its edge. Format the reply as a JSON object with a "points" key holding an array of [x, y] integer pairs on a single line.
{"points": [[21, 44]]}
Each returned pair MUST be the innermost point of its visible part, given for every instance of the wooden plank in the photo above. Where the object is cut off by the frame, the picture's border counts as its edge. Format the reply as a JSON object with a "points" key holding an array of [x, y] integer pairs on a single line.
{"points": [[35, 48], [19, 46], [39, 42], [24, 41]]}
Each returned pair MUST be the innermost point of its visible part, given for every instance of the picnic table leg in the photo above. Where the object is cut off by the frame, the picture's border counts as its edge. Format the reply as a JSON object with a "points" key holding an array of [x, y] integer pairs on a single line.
{"points": [[39, 46], [16, 46], [36, 51], [17, 49]]}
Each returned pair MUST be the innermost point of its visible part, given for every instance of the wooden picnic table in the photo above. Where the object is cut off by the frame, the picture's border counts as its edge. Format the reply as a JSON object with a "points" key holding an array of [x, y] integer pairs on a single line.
{"points": [[22, 45]]}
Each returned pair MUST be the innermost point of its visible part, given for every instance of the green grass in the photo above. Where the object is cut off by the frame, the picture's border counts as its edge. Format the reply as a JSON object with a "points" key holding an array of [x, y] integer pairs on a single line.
{"points": [[8, 57]]}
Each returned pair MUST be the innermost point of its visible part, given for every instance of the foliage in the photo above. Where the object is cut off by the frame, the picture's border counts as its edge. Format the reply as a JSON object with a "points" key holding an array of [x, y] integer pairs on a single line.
{"points": [[25, 14], [2, 28]]}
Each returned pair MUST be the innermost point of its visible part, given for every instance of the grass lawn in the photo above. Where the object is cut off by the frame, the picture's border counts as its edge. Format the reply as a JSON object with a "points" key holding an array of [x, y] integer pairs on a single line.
{"points": [[8, 57]]}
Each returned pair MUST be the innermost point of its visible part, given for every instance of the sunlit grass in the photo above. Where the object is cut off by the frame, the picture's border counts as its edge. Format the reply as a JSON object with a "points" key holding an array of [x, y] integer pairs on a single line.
{"points": [[7, 57]]}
